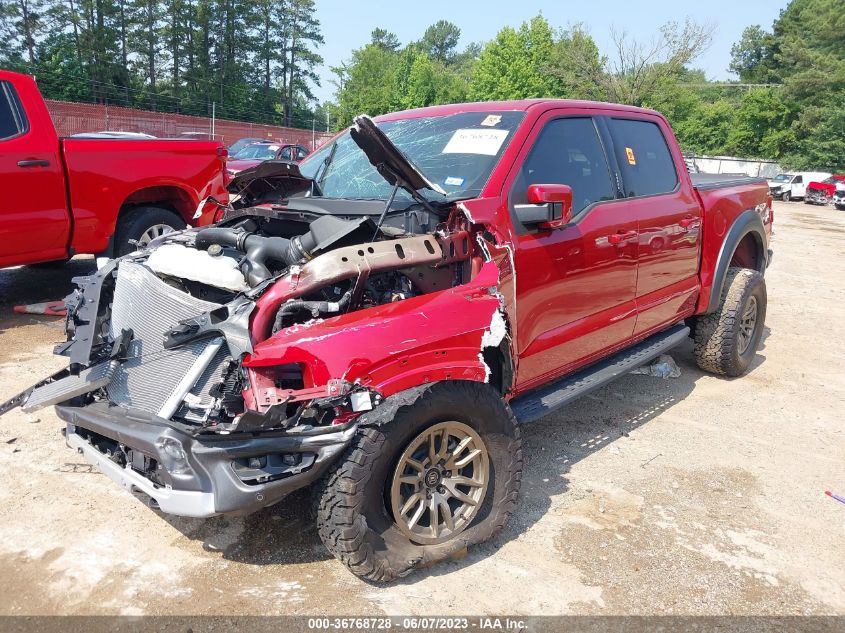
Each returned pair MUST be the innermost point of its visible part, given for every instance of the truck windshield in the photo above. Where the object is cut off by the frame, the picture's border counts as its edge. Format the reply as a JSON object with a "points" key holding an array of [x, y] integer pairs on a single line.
{"points": [[782, 178], [457, 152]]}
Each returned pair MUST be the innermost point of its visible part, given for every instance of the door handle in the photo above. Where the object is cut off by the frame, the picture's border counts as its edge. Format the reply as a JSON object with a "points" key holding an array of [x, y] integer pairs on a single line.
{"points": [[621, 236], [687, 221], [33, 163]]}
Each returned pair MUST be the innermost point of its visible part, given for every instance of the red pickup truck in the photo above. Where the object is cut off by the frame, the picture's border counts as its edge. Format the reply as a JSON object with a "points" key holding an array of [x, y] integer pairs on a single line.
{"points": [[822, 192], [63, 197], [379, 320]]}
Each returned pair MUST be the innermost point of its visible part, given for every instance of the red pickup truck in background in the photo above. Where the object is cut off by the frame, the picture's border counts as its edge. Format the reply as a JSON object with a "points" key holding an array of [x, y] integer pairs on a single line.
{"points": [[379, 319], [822, 192], [63, 197]]}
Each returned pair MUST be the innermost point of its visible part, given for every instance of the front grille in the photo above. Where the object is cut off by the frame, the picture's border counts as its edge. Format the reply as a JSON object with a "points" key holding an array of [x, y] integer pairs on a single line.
{"points": [[150, 307]]}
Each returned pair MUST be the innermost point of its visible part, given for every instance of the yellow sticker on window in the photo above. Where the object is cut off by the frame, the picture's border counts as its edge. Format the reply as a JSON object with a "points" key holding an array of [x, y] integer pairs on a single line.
{"points": [[632, 160]]}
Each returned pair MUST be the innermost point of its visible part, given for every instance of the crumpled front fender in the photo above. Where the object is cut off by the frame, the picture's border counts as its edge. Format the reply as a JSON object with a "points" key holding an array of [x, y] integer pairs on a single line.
{"points": [[395, 346]]}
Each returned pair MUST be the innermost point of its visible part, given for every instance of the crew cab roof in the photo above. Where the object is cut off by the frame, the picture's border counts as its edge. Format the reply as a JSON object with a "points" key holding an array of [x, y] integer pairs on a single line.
{"points": [[520, 105]]}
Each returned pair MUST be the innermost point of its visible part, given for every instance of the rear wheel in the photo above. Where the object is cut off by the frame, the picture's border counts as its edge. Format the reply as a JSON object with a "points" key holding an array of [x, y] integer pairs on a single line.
{"points": [[442, 475], [726, 340], [142, 225]]}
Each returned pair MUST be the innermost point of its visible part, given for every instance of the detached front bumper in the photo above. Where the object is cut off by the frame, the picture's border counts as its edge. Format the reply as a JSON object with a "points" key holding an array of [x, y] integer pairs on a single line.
{"points": [[205, 475]]}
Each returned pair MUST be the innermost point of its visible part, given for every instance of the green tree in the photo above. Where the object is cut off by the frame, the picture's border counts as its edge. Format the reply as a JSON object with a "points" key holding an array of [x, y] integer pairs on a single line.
{"points": [[302, 60], [751, 57], [368, 88], [384, 39], [639, 69], [576, 62], [822, 144], [763, 125], [512, 66], [440, 41]]}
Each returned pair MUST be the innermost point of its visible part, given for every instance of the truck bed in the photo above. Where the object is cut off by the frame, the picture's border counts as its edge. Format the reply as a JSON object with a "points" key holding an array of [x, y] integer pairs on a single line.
{"points": [[705, 182]]}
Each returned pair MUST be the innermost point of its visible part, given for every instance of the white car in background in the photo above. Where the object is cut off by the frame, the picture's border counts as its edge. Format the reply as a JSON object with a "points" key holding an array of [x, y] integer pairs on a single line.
{"points": [[839, 197], [793, 186]]}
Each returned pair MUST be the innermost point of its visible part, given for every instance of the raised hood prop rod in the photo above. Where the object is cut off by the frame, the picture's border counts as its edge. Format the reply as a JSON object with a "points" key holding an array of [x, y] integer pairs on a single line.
{"points": [[385, 210], [399, 182]]}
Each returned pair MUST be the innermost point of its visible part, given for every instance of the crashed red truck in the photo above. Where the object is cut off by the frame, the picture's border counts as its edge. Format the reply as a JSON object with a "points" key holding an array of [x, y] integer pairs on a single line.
{"points": [[379, 320]]}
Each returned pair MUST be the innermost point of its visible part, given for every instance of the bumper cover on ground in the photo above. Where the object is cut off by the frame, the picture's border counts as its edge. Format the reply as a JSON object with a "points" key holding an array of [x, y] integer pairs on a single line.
{"points": [[209, 485]]}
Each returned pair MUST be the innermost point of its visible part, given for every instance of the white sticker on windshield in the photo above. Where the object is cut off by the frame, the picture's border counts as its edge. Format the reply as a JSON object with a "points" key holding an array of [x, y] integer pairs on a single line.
{"points": [[487, 142]]}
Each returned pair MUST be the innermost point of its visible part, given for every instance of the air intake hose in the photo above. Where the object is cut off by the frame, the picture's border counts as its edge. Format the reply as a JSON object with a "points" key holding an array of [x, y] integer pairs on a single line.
{"points": [[258, 250]]}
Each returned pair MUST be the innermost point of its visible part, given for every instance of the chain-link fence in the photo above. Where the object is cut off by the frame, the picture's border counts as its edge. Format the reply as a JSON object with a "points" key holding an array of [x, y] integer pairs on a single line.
{"points": [[74, 118]]}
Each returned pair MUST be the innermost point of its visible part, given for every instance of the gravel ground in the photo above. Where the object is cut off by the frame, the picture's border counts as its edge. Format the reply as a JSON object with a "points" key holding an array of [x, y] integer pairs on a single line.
{"points": [[695, 495]]}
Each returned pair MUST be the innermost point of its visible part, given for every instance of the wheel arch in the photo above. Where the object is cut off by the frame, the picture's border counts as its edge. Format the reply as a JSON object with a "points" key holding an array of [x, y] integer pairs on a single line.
{"points": [[171, 197], [744, 245]]}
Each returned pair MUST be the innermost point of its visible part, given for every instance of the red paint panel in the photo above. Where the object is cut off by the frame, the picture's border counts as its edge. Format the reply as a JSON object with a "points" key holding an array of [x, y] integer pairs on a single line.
{"points": [[396, 345], [721, 208], [40, 223], [105, 173], [34, 219]]}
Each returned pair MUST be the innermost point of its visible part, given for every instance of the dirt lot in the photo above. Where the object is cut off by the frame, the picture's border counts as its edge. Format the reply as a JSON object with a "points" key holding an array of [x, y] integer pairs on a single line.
{"points": [[695, 495]]}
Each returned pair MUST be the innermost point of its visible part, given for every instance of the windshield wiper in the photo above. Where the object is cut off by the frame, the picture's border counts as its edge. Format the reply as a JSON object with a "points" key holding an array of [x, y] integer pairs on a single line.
{"points": [[322, 170]]}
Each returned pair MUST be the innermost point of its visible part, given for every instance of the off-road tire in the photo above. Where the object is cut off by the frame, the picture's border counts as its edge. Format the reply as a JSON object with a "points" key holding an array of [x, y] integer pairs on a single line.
{"points": [[716, 335], [353, 517], [137, 221]]}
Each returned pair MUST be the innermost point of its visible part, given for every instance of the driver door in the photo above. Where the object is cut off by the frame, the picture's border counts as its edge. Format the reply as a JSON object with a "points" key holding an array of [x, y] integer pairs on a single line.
{"points": [[576, 285]]}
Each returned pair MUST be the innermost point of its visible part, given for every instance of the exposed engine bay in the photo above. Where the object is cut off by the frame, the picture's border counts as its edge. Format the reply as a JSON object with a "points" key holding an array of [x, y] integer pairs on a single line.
{"points": [[225, 334], [179, 313]]}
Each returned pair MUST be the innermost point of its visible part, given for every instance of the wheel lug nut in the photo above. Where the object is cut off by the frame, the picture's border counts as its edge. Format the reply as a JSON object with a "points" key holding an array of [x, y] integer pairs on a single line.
{"points": [[441, 490]]}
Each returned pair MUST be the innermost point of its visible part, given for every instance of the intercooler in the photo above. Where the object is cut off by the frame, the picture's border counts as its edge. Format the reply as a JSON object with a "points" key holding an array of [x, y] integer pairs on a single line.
{"points": [[154, 379]]}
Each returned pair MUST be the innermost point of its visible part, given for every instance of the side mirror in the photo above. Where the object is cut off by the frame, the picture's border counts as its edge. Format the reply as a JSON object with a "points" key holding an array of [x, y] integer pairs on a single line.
{"points": [[549, 206]]}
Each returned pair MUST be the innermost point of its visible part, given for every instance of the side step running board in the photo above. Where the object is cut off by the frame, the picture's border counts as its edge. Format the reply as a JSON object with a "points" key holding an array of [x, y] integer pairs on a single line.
{"points": [[546, 399]]}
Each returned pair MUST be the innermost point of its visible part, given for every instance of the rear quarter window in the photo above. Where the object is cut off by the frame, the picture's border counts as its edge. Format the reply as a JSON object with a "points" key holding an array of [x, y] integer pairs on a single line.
{"points": [[12, 119], [644, 157]]}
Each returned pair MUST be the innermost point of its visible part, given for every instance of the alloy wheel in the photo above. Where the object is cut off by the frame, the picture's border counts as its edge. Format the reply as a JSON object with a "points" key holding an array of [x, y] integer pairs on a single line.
{"points": [[156, 230], [747, 325], [439, 483]]}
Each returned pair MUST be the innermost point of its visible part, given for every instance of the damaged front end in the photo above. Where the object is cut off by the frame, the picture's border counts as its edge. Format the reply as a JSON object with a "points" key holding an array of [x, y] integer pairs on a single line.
{"points": [[219, 369]]}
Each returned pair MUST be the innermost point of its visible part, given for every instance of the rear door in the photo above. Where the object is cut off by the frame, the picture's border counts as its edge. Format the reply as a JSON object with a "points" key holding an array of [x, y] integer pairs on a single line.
{"points": [[34, 221], [575, 286], [669, 216]]}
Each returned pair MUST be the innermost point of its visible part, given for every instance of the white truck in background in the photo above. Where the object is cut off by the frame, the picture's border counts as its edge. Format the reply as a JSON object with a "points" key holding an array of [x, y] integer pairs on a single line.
{"points": [[793, 186]]}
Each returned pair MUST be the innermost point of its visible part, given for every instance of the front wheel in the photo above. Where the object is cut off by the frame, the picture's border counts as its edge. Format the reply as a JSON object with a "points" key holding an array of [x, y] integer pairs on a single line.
{"points": [[786, 196], [726, 340], [441, 475], [141, 226]]}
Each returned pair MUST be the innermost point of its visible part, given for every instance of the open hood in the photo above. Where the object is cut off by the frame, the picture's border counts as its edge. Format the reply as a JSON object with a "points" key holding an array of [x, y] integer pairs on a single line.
{"points": [[388, 159], [272, 172]]}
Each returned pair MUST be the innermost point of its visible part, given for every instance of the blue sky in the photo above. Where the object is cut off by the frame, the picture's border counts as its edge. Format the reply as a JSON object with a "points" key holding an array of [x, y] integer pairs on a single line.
{"points": [[347, 24]]}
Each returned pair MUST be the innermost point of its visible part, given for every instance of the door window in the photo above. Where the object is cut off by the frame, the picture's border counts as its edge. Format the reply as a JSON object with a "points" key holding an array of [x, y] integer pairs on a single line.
{"points": [[567, 152], [301, 153], [644, 157], [12, 120], [798, 180]]}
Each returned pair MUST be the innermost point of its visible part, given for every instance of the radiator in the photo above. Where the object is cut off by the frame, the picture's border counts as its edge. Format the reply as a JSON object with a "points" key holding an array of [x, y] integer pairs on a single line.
{"points": [[150, 307]]}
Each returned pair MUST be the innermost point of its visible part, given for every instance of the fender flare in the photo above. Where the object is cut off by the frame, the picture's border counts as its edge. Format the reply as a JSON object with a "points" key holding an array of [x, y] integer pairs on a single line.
{"points": [[746, 222]]}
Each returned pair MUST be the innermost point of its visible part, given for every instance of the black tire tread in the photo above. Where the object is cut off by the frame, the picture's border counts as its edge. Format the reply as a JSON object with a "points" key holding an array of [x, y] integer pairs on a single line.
{"points": [[137, 220], [714, 335], [340, 522]]}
